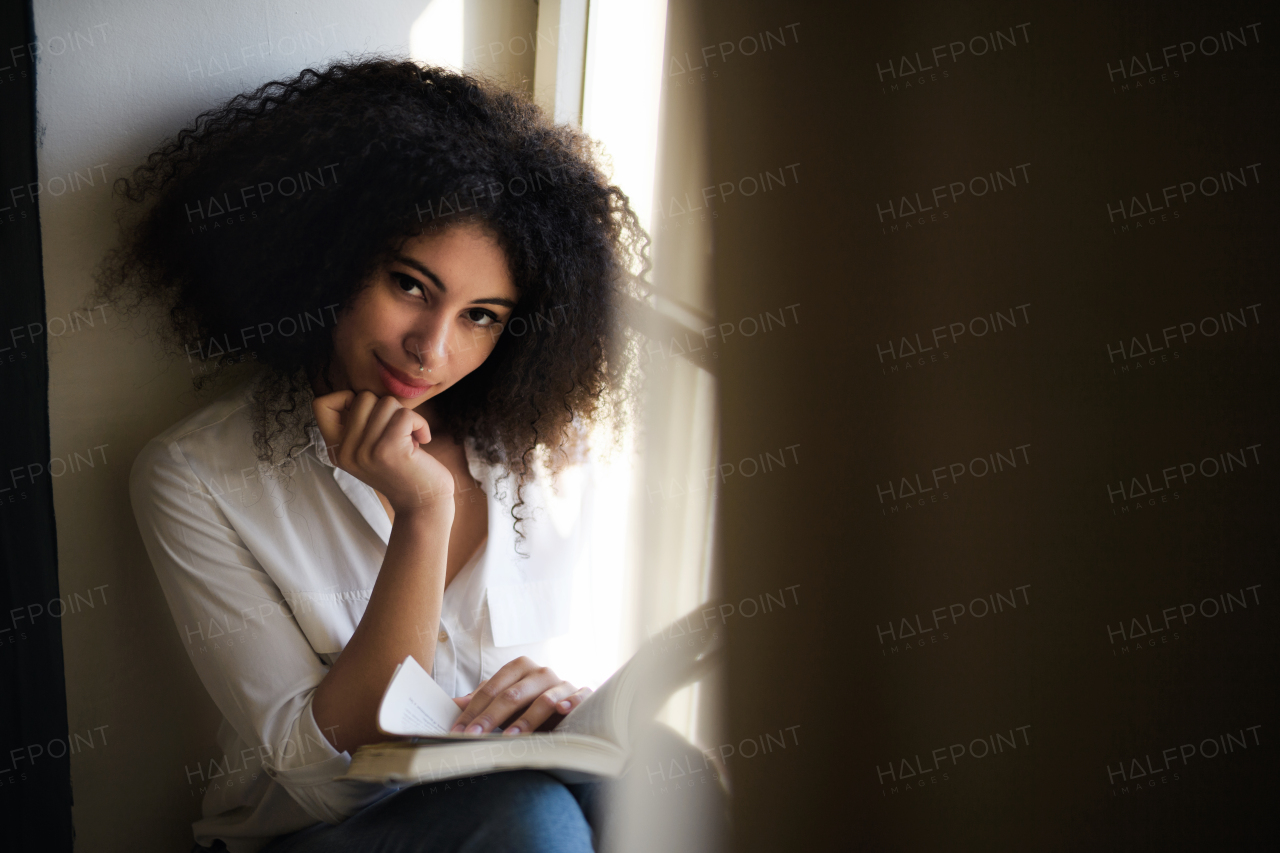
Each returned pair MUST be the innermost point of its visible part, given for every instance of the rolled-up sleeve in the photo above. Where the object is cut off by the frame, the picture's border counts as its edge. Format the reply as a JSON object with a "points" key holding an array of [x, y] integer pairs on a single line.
{"points": [[240, 634]]}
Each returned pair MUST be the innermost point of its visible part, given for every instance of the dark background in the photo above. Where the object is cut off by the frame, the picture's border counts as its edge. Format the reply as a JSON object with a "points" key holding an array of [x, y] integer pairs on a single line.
{"points": [[1048, 383]]}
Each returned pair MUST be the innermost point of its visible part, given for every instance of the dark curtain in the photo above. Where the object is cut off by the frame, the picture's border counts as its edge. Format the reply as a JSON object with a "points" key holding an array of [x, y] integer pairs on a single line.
{"points": [[1031, 524], [35, 768]]}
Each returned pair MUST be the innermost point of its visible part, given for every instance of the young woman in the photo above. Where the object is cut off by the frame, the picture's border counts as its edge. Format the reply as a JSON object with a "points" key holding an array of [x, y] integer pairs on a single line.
{"points": [[426, 270]]}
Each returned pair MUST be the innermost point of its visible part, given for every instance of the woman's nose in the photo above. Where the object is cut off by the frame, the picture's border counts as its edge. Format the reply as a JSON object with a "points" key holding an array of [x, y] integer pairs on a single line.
{"points": [[431, 342]]}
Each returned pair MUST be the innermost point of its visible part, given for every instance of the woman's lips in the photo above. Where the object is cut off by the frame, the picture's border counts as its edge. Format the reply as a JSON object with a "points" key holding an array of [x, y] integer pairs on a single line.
{"points": [[400, 383]]}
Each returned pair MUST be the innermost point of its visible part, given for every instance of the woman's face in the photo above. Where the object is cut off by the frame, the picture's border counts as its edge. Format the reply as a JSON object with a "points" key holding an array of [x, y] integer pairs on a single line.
{"points": [[439, 304]]}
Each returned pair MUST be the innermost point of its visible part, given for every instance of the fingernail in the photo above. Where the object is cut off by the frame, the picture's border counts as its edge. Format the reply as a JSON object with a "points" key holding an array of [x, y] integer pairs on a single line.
{"points": [[459, 727], [514, 730], [565, 705], [475, 730]]}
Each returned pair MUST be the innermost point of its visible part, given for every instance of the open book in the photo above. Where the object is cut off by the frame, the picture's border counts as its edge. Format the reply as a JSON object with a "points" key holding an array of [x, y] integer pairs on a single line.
{"points": [[593, 740]]}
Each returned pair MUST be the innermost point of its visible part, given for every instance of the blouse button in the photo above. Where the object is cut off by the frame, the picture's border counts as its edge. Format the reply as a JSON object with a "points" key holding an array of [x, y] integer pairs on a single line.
{"points": [[444, 637]]}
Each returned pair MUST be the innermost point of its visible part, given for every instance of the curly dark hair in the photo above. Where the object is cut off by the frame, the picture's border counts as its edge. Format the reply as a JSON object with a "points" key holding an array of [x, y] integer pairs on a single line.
{"points": [[279, 204]]}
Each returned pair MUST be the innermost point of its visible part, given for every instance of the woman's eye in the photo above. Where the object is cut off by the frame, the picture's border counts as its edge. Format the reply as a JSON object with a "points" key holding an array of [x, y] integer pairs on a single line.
{"points": [[407, 283], [481, 317]]}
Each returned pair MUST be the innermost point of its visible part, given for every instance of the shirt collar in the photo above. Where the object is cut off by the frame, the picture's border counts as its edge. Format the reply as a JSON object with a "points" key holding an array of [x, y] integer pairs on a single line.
{"points": [[317, 442]]}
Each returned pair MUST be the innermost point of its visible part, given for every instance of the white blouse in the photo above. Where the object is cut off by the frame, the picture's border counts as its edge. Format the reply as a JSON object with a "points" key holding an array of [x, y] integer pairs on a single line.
{"points": [[267, 579]]}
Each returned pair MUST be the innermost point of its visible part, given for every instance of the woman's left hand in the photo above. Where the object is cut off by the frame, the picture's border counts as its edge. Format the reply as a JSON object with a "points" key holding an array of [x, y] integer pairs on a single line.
{"points": [[533, 694]]}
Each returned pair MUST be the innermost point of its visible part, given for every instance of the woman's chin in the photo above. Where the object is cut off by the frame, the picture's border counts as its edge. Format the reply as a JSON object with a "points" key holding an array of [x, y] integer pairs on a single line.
{"points": [[414, 402], [409, 402]]}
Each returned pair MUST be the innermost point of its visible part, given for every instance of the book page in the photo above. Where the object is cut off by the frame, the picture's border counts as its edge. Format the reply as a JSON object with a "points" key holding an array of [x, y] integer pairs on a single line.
{"points": [[597, 716], [634, 694], [414, 705]]}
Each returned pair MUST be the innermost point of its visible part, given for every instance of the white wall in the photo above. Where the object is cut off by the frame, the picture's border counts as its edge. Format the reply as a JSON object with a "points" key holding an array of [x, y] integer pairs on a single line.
{"points": [[114, 78]]}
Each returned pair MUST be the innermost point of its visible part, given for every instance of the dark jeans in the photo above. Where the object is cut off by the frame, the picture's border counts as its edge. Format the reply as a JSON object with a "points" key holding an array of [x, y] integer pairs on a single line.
{"points": [[523, 810], [531, 812]]}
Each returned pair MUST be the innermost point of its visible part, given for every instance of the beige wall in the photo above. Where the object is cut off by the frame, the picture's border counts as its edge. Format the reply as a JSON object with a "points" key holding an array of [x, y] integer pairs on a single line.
{"points": [[114, 78]]}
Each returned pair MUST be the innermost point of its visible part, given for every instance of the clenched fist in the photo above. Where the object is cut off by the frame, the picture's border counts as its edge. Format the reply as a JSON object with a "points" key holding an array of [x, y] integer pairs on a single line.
{"points": [[380, 443]]}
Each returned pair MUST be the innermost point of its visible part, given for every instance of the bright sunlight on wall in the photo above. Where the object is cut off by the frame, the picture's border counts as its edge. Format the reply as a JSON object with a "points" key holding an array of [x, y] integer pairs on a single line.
{"points": [[436, 36], [625, 40]]}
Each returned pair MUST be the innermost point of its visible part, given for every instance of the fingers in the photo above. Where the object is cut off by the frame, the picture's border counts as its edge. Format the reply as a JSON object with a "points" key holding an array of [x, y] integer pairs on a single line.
{"points": [[410, 424], [509, 691], [558, 701], [463, 701], [421, 431], [484, 693], [353, 426], [329, 411], [572, 702], [375, 428]]}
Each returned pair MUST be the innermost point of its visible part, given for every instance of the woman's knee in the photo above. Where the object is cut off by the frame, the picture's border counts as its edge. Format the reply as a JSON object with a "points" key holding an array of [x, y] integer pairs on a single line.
{"points": [[531, 811]]}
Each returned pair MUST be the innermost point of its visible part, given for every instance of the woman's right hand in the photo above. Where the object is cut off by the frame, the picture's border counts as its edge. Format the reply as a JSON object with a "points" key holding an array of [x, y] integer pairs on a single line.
{"points": [[379, 442]]}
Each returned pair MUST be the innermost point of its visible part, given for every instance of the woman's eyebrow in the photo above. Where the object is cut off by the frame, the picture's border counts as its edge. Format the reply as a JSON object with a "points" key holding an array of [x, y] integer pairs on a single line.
{"points": [[422, 268], [435, 279]]}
